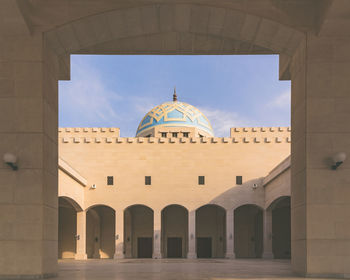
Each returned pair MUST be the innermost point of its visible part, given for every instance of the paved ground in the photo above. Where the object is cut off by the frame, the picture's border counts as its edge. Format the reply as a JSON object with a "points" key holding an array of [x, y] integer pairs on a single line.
{"points": [[218, 269]]}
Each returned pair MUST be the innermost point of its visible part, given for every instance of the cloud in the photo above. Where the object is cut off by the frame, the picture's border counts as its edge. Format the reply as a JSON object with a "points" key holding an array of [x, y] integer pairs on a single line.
{"points": [[281, 101], [222, 120], [142, 105], [86, 99]]}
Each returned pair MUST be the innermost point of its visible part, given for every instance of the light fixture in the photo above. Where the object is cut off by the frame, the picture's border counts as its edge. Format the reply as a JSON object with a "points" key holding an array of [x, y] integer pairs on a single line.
{"points": [[338, 159], [10, 160], [77, 237], [117, 237]]}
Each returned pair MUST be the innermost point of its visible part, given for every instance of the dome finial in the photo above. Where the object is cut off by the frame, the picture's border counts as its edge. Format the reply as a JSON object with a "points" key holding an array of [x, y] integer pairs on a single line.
{"points": [[174, 95]]}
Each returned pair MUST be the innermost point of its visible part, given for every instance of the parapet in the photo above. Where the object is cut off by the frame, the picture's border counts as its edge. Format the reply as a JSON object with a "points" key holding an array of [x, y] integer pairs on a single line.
{"points": [[234, 131], [89, 132], [247, 135], [244, 135]]}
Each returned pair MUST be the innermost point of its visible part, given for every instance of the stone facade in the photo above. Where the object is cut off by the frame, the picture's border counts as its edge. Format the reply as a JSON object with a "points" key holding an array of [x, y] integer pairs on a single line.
{"points": [[164, 209], [38, 37]]}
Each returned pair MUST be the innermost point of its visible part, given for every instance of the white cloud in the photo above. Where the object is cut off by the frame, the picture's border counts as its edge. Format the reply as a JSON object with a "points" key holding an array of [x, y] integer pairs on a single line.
{"points": [[86, 99], [222, 120], [281, 101], [143, 105]]}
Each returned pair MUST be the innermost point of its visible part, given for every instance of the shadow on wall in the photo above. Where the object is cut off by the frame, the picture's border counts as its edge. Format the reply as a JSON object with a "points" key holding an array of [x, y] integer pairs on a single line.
{"points": [[250, 192]]}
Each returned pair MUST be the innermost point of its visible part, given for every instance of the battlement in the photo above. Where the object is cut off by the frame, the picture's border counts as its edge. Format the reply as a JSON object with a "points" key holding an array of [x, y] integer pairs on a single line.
{"points": [[89, 131], [259, 130], [245, 135], [196, 140]]}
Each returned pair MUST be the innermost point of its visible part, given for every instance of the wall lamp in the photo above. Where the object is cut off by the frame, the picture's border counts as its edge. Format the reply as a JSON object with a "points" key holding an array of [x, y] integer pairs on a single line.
{"points": [[338, 159], [10, 160]]}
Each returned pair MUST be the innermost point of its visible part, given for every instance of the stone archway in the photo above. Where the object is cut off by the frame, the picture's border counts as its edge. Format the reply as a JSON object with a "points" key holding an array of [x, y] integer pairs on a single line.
{"points": [[67, 227], [100, 232], [211, 231], [174, 231], [138, 231], [281, 228], [248, 228], [318, 66]]}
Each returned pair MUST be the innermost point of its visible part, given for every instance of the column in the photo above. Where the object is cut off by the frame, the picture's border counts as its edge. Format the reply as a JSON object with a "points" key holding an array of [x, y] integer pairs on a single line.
{"points": [[192, 253], [28, 130], [157, 230], [320, 201], [230, 254], [81, 236], [119, 234], [267, 248]]}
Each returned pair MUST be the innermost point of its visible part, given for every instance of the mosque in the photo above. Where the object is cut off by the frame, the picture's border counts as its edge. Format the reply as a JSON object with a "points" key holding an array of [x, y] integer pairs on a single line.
{"points": [[174, 190]]}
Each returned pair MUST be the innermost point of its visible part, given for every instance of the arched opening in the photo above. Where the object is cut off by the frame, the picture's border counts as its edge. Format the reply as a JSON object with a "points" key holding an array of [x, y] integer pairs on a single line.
{"points": [[211, 231], [248, 231], [174, 231], [67, 227], [138, 231], [100, 232], [281, 228]]}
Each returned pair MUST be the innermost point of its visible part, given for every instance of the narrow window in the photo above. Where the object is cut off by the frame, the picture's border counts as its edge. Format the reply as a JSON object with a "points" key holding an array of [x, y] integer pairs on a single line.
{"points": [[110, 180], [200, 180], [147, 180], [239, 180], [175, 134], [164, 134], [185, 134]]}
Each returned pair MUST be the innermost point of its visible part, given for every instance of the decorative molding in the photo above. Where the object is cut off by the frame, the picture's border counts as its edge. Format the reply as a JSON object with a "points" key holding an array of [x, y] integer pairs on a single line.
{"points": [[153, 140]]}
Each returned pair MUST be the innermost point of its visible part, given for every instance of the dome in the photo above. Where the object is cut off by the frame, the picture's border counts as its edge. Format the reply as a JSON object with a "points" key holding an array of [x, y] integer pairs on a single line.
{"points": [[175, 114]]}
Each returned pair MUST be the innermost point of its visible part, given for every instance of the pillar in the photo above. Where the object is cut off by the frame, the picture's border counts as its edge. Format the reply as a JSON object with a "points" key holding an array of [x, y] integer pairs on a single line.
{"points": [[230, 254], [320, 200], [28, 129], [81, 236], [267, 235], [192, 253], [157, 226], [119, 234]]}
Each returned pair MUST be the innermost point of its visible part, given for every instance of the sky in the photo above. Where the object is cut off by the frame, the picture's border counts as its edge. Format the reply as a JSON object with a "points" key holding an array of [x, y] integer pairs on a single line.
{"points": [[118, 90]]}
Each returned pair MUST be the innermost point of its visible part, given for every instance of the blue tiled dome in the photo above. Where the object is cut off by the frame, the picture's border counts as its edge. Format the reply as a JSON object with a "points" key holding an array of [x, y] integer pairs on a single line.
{"points": [[175, 114]]}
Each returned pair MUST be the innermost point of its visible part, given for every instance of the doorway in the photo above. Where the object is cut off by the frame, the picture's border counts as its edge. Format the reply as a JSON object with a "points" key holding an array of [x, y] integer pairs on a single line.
{"points": [[204, 247], [174, 247], [144, 247]]}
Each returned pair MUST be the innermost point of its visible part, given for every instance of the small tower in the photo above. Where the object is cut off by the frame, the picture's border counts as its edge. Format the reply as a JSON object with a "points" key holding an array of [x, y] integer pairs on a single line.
{"points": [[174, 95]]}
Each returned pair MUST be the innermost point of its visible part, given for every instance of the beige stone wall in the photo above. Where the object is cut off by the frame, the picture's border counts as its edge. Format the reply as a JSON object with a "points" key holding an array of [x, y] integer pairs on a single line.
{"points": [[174, 165], [278, 183], [68, 187]]}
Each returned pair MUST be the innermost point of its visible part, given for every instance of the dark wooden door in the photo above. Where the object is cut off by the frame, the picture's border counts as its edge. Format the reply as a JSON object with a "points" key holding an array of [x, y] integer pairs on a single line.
{"points": [[144, 247], [204, 249], [174, 247]]}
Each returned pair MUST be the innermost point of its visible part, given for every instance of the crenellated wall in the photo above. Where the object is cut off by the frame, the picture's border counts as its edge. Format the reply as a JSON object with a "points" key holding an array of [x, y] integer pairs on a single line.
{"points": [[238, 135], [174, 165]]}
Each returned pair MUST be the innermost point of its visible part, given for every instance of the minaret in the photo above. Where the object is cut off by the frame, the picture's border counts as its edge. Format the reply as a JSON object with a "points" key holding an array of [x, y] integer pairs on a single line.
{"points": [[174, 95]]}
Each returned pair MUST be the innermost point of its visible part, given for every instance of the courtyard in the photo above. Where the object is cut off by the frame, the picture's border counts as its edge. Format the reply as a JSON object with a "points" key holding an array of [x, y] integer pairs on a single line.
{"points": [[174, 269]]}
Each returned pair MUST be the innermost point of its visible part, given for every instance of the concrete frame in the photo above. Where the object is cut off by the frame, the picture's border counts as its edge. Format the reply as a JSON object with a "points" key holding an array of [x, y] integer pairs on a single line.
{"points": [[311, 37]]}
